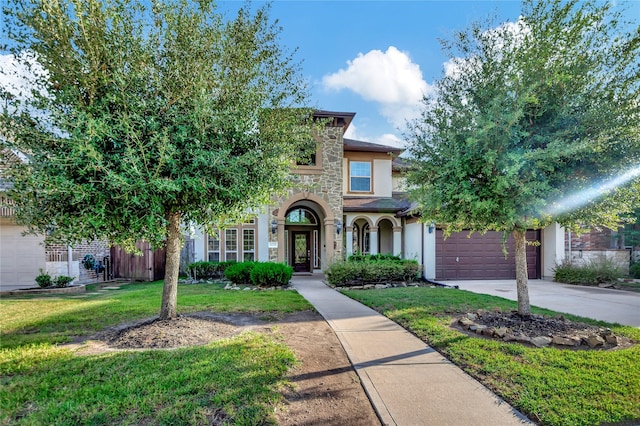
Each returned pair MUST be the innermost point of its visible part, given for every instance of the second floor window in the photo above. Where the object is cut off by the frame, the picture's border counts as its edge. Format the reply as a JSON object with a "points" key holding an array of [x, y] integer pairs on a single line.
{"points": [[360, 176], [309, 154]]}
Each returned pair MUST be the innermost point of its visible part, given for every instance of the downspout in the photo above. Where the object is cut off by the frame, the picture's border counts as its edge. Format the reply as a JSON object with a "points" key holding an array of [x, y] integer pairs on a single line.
{"points": [[570, 244], [422, 249], [69, 261]]}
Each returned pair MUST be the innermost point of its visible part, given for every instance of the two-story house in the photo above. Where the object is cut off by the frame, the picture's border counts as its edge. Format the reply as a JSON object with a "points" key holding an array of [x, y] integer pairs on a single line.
{"points": [[350, 198]]}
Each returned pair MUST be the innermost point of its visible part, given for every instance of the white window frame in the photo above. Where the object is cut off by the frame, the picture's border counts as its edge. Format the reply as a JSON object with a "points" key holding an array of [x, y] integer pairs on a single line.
{"points": [[227, 250], [212, 250], [251, 251], [352, 176]]}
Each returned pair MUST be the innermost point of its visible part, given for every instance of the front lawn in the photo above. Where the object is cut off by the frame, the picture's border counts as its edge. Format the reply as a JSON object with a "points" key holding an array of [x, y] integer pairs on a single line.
{"points": [[235, 380], [551, 386]]}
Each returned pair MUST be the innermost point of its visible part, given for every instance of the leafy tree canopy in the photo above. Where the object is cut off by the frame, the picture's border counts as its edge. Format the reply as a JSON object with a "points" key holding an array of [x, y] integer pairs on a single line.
{"points": [[145, 111], [145, 118], [534, 122]]}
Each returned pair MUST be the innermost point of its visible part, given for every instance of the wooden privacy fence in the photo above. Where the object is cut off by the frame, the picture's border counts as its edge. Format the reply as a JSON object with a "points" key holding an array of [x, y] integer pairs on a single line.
{"points": [[146, 267]]}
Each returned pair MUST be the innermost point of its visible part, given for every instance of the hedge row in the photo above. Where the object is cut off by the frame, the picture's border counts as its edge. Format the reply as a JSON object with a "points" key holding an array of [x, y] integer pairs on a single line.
{"points": [[208, 270], [593, 272], [261, 274], [360, 272]]}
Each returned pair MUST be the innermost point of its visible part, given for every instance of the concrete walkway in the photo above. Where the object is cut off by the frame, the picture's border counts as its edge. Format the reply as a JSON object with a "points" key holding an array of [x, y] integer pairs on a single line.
{"points": [[408, 382], [602, 304]]}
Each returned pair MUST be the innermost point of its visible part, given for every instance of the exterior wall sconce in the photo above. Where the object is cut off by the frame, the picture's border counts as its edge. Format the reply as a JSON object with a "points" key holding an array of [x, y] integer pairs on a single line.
{"points": [[432, 227], [274, 226], [338, 227]]}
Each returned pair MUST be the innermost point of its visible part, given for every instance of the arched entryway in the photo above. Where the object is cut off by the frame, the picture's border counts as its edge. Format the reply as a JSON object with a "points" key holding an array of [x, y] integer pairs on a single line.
{"points": [[303, 237], [324, 246], [385, 237], [361, 233]]}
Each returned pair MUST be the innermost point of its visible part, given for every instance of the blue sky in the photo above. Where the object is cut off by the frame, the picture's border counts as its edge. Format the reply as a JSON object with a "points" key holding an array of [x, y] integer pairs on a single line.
{"points": [[375, 58]]}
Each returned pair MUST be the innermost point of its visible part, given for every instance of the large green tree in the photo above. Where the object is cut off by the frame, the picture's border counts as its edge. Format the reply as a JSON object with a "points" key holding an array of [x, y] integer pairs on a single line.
{"points": [[147, 118], [534, 122]]}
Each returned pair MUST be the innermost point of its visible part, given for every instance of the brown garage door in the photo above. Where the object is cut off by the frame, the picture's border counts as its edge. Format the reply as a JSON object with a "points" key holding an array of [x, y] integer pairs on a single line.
{"points": [[480, 257]]}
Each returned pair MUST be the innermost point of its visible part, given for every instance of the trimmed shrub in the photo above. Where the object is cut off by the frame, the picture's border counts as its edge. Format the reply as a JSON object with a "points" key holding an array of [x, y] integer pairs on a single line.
{"points": [[62, 281], [373, 257], [268, 274], [360, 272], [634, 270], [593, 272], [208, 270], [44, 279], [239, 273]]}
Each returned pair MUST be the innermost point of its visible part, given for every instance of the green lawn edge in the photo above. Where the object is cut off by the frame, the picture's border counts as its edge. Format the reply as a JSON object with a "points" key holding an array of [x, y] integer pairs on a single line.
{"points": [[230, 381], [551, 386]]}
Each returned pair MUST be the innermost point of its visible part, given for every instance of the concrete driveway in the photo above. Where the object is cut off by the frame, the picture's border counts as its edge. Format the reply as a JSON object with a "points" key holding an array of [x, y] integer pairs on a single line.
{"points": [[615, 306]]}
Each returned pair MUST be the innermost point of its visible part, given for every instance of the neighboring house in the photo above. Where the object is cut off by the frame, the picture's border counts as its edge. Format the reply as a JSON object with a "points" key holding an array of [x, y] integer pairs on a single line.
{"points": [[22, 257], [350, 198], [596, 244]]}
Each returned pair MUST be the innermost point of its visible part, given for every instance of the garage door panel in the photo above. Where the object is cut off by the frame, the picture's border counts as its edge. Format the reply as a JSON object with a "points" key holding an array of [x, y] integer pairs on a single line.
{"points": [[21, 257], [481, 256]]}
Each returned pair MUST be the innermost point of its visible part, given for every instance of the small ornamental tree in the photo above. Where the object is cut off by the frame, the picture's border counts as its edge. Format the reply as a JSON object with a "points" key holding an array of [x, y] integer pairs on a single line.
{"points": [[147, 116], [534, 122]]}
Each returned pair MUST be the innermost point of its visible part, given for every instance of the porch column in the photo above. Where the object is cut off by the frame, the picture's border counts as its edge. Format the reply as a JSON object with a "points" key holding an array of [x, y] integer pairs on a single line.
{"points": [[397, 240], [281, 241], [552, 249], [349, 235], [373, 240], [329, 243], [429, 252]]}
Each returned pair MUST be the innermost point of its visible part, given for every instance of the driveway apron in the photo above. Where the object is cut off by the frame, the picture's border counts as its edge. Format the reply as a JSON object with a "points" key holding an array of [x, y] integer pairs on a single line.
{"points": [[615, 306]]}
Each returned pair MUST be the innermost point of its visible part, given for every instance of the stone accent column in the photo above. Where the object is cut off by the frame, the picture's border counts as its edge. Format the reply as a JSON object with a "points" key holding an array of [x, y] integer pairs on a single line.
{"points": [[373, 240], [330, 242], [397, 240]]}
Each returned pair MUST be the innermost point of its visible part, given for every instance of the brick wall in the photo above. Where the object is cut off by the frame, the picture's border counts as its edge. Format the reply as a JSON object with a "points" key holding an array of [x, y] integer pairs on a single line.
{"points": [[98, 249]]}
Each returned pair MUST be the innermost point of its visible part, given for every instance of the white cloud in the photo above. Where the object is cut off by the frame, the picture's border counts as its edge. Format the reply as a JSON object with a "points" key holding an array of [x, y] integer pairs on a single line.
{"points": [[19, 76], [387, 139], [388, 78]]}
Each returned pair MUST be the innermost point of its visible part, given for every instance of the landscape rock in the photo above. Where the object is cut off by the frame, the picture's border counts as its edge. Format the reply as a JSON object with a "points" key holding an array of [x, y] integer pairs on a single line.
{"points": [[593, 341], [480, 328], [465, 322], [489, 331], [612, 340], [472, 317], [500, 332], [565, 341], [541, 341]]}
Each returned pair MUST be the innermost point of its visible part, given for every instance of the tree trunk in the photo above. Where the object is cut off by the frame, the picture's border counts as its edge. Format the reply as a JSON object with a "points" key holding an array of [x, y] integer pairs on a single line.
{"points": [[172, 268], [522, 277]]}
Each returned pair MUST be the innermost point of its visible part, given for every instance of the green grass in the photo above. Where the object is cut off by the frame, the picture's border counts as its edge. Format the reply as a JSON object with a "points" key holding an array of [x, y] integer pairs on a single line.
{"points": [[630, 286], [235, 379], [551, 386]]}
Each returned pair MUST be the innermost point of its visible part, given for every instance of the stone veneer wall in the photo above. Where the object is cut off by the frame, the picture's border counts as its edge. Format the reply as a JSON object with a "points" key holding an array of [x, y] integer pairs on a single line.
{"points": [[327, 185]]}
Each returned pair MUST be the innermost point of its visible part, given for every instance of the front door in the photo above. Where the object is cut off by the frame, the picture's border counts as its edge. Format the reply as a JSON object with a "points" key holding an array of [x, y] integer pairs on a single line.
{"points": [[301, 251]]}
